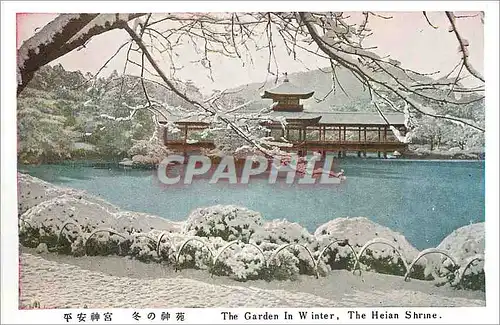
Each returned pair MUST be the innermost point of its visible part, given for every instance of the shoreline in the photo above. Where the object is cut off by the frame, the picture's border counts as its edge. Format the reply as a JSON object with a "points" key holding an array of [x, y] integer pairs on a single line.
{"points": [[409, 155], [117, 165]]}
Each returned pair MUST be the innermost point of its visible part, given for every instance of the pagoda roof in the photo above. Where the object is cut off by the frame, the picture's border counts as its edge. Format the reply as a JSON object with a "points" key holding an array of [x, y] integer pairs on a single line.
{"points": [[287, 89]]}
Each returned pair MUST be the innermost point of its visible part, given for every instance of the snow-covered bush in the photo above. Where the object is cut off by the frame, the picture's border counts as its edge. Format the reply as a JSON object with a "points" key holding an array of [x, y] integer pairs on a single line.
{"points": [[148, 152], [282, 266], [107, 243], [168, 246], [226, 221], [378, 257], [193, 252], [137, 222], [239, 261], [44, 222], [283, 232], [464, 244], [143, 246], [140, 160]]}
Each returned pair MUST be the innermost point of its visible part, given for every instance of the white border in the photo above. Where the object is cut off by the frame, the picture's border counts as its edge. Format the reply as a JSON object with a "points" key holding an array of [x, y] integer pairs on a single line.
{"points": [[9, 241], [223, 6], [469, 315]]}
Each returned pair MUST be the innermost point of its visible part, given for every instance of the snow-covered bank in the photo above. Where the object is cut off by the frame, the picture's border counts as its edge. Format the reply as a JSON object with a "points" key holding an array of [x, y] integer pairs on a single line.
{"points": [[103, 282], [424, 152], [223, 240]]}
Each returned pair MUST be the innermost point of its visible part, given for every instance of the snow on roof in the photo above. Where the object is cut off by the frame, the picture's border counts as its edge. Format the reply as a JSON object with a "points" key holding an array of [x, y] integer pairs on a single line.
{"points": [[287, 88], [343, 118], [354, 118], [360, 118]]}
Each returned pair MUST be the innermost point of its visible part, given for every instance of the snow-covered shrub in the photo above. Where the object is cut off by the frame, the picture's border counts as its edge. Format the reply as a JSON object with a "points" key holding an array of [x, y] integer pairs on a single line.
{"points": [[464, 244], [137, 234], [283, 232], [131, 222], [357, 231], [281, 266], [148, 152], [143, 247], [335, 257], [107, 243], [43, 222], [226, 221], [140, 160], [194, 255], [169, 244], [241, 262]]}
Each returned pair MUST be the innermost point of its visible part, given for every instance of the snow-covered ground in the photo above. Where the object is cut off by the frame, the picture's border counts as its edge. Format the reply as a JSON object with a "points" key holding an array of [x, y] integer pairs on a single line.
{"points": [[104, 282], [233, 243]]}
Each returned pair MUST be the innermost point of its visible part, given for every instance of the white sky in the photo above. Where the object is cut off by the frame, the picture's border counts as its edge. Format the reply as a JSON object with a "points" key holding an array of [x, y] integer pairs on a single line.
{"points": [[406, 37]]}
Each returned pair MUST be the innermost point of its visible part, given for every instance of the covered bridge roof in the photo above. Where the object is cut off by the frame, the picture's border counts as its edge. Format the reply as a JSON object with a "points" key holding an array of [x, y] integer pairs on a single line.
{"points": [[346, 118], [333, 118]]}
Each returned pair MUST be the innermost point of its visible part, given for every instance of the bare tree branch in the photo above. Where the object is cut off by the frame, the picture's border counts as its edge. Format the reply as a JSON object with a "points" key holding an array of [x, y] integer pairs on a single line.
{"points": [[151, 60], [463, 47], [367, 78], [428, 21]]}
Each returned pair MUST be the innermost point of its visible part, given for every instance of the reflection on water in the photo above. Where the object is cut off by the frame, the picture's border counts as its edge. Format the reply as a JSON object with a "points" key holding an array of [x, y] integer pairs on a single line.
{"points": [[423, 200]]}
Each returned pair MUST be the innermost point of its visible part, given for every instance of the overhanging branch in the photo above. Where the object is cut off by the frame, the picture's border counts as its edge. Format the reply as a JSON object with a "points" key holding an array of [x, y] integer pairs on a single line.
{"points": [[34, 54]]}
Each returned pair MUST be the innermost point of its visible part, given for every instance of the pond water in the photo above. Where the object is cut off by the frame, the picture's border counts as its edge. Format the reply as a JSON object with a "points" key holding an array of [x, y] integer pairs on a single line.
{"points": [[423, 200]]}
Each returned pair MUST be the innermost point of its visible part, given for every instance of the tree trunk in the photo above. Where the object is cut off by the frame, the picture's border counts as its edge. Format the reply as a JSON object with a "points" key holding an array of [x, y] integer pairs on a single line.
{"points": [[40, 50]]}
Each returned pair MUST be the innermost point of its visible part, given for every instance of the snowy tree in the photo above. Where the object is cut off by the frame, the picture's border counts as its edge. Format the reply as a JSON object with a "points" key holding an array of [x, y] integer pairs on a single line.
{"points": [[335, 37], [430, 131], [464, 138], [43, 134]]}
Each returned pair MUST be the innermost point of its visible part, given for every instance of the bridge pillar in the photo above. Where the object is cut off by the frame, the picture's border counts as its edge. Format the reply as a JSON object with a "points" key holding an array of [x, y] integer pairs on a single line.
{"points": [[378, 153], [359, 154], [385, 154], [340, 154], [323, 154], [364, 154]]}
